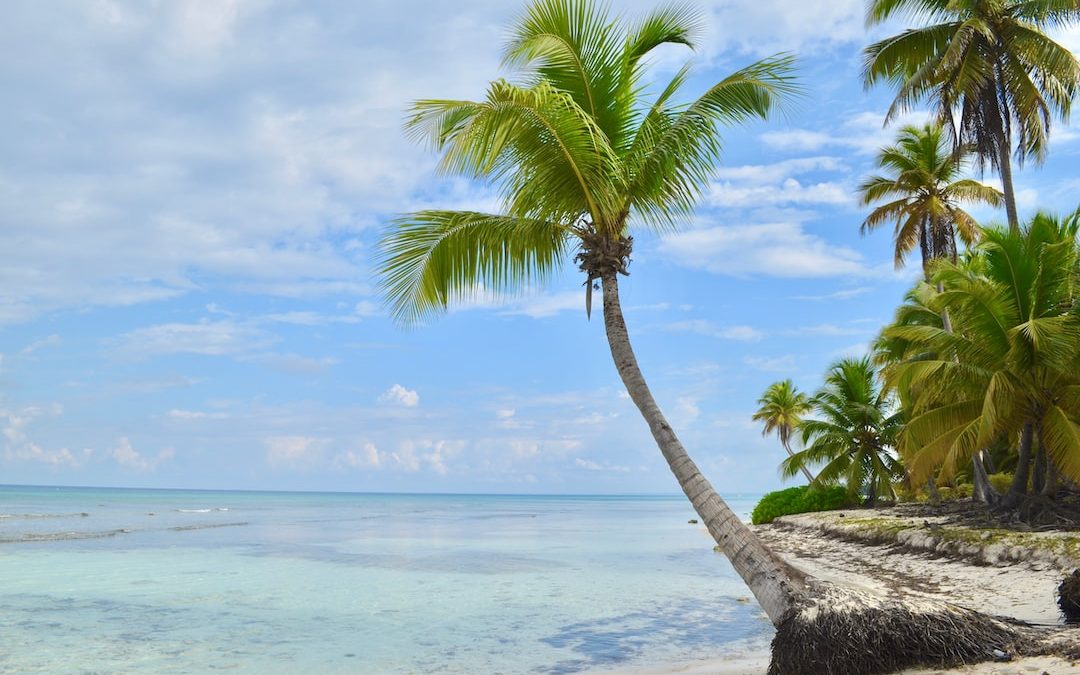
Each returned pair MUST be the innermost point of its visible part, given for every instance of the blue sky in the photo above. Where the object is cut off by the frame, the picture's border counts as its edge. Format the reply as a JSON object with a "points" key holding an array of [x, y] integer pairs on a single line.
{"points": [[190, 192]]}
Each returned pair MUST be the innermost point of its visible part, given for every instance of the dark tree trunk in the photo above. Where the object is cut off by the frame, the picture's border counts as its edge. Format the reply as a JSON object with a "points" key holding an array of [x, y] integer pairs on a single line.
{"points": [[1005, 166], [983, 490], [1018, 489], [1038, 479]]}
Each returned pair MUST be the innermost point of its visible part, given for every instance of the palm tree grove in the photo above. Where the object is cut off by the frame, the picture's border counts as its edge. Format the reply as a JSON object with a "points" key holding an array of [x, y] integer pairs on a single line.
{"points": [[968, 403]]}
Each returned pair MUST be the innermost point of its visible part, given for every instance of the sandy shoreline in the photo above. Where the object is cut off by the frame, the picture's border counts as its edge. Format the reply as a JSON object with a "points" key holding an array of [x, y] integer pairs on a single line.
{"points": [[1025, 591]]}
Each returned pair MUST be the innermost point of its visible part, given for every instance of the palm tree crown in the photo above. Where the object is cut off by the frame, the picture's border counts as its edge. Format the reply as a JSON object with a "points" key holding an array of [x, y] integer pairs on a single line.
{"points": [[988, 70], [853, 433], [781, 410], [577, 149], [925, 192]]}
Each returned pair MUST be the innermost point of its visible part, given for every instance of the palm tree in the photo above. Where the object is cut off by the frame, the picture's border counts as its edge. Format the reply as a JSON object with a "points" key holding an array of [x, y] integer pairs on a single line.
{"points": [[1011, 369], [853, 433], [782, 408], [581, 156], [987, 68], [926, 191], [926, 194]]}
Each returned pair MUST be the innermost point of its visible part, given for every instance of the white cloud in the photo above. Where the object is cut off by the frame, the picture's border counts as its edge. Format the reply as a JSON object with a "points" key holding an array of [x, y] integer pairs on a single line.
{"points": [[399, 395], [127, 456], [50, 341], [776, 364], [588, 464], [294, 451], [864, 132], [294, 364], [844, 294], [703, 327], [367, 457], [766, 27], [19, 447], [209, 338], [192, 415], [770, 249], [764, 185], [545, 305]]}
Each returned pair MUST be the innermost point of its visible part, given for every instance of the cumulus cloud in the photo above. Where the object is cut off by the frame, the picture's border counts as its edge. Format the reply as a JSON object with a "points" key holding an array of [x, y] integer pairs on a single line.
{"points": [[127, 456], [863, 132], [294, 451], [366, 457], [769, 249], [399, 395], [765, 185]]}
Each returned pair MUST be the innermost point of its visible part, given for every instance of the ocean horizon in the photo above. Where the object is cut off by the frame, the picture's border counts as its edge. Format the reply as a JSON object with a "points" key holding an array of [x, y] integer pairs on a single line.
{"points": [[152, 580]]}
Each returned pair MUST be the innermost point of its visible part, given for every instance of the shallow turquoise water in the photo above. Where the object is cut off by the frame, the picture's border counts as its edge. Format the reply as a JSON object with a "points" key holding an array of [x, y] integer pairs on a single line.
{"points": [[192, 581]]}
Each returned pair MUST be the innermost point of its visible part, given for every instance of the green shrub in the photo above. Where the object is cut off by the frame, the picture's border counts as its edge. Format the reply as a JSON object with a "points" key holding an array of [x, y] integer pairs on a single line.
{"points": [[962, 491], [798, 500], [1001, 481]]}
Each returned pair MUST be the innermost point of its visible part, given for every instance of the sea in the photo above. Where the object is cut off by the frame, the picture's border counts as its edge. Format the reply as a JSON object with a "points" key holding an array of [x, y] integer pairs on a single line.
{"points": [[99, 580]]}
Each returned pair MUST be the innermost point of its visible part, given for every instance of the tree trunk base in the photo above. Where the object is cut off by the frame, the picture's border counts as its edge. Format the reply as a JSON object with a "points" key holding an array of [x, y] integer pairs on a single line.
{"points": [[844, 632], [1069, 596]]}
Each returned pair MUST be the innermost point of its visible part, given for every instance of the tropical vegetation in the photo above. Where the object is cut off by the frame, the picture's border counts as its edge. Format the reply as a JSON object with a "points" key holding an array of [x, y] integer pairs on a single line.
{"points": [[853, 433], [800, 499], [781, 411], [992, 76]]}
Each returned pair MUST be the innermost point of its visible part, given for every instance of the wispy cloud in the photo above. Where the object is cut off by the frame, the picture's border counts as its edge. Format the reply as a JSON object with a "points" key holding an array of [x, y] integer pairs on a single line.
{"points": [[770, 249]]}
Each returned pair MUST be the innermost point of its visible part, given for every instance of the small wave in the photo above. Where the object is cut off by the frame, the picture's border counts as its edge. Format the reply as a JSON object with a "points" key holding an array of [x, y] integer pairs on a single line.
{"points": [[41, 516], [220, 508], [31, 537], [185, 528]]}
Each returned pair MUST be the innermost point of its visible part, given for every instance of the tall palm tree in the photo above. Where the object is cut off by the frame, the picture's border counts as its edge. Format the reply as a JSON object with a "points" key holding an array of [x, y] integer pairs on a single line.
{"points": [[925, 193], [782, 407], [581, 157], [853, 433], [987, 68], [1011, 369]]}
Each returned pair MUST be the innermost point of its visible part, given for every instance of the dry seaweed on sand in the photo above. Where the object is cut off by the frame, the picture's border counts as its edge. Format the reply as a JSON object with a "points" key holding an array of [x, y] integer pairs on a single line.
{"points": [[846, 632]]}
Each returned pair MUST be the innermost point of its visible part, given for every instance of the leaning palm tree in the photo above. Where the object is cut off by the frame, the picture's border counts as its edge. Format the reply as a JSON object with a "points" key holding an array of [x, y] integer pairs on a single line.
{"points": [[853, 433], [987, 68], [925, 193], [782, 407], [582, 157]]}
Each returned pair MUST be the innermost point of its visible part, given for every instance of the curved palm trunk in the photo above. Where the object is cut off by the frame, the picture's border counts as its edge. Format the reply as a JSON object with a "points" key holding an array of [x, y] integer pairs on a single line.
{"points": [[776, 585], [805, 471], [1019, 488]]}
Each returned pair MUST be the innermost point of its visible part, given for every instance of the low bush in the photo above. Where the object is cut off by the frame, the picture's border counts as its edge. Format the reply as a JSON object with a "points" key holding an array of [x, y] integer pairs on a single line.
{"points": [[800, 499], [1001, 481]]}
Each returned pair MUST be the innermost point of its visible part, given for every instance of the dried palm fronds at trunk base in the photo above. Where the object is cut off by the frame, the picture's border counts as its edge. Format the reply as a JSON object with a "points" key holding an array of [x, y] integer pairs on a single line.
{"points": [[843, 632]]}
